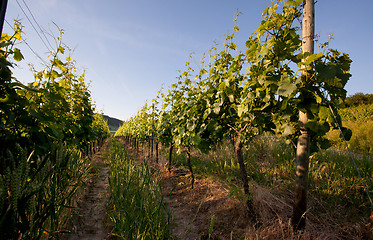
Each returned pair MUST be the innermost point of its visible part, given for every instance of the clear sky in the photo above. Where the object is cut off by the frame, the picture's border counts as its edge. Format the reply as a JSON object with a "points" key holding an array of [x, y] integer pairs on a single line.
{"points": [[129, 48]]}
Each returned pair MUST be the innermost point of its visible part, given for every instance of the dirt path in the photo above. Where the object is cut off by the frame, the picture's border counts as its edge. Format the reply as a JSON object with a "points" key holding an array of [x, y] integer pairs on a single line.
{"points": [[90, 221], [203, 212]]}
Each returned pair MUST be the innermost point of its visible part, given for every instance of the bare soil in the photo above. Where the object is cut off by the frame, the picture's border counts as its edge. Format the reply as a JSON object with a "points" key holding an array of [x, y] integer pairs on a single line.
{"points": [[89, 220], [208, 211]]}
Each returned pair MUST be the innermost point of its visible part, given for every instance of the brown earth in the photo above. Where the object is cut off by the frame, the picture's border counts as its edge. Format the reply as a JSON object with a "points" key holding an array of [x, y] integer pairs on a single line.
{"points": [[207, 211], [205, 208], [89, 220]]}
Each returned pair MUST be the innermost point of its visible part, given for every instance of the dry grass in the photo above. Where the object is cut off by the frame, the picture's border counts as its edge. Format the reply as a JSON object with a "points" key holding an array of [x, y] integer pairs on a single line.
{"points": [[211, 198]]}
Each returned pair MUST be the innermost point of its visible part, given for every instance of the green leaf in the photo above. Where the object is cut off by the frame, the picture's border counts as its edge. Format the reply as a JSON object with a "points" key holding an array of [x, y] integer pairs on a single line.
{"points": [[324, 143], [312, 58], [226, 82], [240, 110], [313, 126], [264, 50], [191, 126], [61, 49], [286, 88], [17, 55], [293, 3], [318, 99], [312, 110], [288, 130], [347, 133], [216, 108], [324, 113]]}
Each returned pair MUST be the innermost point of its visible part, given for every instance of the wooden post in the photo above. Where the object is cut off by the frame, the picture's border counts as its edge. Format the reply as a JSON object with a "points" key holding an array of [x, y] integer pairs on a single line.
{"points": [[188, 149], [170, 156], [3, 4], [304, 140], [151, 158], [152, 146], [156, 151]]}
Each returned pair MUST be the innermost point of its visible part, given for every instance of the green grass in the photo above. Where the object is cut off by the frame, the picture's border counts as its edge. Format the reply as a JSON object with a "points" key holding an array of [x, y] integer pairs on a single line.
{"points": [[37, 194], [136, 198], [360, 120], [270, 161], [334, 178], [361, 141]]}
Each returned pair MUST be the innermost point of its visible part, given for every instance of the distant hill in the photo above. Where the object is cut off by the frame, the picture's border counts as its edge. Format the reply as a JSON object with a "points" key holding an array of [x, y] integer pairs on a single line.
{"points": [[113, 123]]}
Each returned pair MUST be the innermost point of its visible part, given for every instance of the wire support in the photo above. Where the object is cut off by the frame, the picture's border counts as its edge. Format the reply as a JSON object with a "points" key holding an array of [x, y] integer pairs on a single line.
{"points": [[32, 50], [33, 26], [41, 30]]}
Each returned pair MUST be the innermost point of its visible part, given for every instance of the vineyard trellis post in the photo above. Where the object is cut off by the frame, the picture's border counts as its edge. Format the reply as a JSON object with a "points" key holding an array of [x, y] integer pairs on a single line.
{"points": [[303, 145], [3, 4], [170, 156], [188, 151], [152, 137], [156, 151]]}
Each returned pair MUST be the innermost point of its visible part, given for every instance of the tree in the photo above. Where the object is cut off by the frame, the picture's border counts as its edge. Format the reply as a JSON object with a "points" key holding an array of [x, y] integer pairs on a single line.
{"points": [[359, 99]]}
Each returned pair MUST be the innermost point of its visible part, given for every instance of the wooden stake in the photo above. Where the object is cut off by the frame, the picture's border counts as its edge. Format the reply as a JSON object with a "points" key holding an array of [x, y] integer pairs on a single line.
{"points": [[304, 140]]}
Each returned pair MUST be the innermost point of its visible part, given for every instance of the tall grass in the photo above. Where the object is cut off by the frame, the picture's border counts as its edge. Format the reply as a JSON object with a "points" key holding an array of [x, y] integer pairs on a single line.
{"points": [[360, 120], [38, 193], [361, 141], [270, 161], [136, 197], [334, 179]]}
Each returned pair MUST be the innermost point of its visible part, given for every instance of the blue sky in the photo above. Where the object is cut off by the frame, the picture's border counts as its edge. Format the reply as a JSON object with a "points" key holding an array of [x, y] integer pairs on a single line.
{"points": [[130, 48]]}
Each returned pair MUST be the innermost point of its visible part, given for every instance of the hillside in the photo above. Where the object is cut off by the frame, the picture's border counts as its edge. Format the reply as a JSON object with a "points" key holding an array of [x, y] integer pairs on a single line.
{"points": [[113, 123]]}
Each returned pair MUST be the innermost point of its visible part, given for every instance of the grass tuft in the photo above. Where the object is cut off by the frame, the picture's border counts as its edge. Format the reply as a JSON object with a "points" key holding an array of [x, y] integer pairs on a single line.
{"points": [[136, 198]]}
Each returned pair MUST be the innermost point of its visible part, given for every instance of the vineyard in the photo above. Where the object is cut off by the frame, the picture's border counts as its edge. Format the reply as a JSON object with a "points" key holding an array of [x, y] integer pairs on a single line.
{"points": [[252, 143], [48, 131]]}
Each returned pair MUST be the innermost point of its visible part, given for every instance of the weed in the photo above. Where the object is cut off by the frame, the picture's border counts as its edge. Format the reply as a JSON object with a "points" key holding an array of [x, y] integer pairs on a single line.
{"points": [[136, 197]]}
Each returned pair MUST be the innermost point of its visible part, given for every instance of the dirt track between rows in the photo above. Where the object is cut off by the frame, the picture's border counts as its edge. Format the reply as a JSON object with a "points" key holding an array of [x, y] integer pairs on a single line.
{"points": [[89, 219], [206, 211]]}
